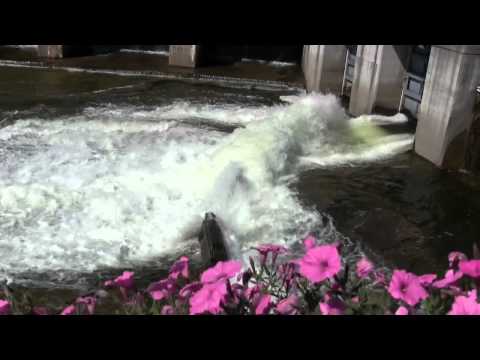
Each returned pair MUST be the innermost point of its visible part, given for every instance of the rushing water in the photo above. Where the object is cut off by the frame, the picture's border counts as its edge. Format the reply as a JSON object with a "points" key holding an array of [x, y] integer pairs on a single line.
{"points": [[104, 172]]}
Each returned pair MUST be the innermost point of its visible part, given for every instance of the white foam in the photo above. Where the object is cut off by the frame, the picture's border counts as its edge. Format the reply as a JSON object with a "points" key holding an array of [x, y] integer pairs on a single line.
{"points": [[269, 63], [183, 110], [23, 46], [381, 120], [76, 192], [150, 52]]}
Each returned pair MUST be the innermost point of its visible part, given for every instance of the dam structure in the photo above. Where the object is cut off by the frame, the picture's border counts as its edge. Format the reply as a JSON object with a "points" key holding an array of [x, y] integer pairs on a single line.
{"points": [[435, 84]]}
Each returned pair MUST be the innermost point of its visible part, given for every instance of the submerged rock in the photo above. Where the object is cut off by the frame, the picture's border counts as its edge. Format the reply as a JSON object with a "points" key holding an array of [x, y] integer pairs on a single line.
{"points": [[212, 241]]}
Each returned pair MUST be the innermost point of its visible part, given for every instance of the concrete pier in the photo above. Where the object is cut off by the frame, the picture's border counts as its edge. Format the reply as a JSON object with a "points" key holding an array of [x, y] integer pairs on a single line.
{"points": [[447, 109], [184, 55], [378, 78], [324, 66], [51, 51]]}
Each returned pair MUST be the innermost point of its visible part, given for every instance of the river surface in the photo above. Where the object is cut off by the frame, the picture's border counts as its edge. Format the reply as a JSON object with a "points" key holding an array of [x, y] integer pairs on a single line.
{"points": [[102, 172]]}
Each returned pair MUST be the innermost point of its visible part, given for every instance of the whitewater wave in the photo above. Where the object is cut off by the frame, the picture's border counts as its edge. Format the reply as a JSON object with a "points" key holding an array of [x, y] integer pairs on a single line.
{"points": [[79, 193]]}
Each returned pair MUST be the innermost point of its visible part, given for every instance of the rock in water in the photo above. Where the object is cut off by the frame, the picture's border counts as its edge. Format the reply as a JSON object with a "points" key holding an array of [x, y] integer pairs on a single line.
{"points": [[212, 241]]}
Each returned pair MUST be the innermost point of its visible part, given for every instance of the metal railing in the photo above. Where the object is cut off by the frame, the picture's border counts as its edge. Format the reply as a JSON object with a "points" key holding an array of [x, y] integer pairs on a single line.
{"points": [[412, 93], [349, 70]]}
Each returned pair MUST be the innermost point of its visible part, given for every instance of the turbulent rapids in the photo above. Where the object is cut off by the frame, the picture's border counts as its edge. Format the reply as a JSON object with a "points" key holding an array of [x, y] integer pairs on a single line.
{"points": [[116, 186]]}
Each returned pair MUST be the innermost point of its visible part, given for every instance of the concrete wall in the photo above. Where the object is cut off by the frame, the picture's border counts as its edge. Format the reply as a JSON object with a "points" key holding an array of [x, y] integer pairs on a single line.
{"points": [[378, 78], [447, 107], [184, 55], [50, 51], [324, 66]]}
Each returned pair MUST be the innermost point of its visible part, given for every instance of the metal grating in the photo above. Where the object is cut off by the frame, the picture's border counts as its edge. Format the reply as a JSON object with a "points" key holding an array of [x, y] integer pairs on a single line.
{"points": [[414, 81], [349, 69]]}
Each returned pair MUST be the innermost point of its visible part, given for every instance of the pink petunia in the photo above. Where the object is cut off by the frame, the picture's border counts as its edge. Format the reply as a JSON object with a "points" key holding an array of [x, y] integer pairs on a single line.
{"points": [[190, 289], [237, 291], [168, 310], [288, 271], [332, 306], [5, 307], [310, 242], [470, 268], [89, 302], [252, 292], [379, 279], [364, 268], [288, 306], [224, 270], [466, 305], [69, 310], [406, 287], [264, 305], [320, 263], [162, 289], [402, 310], [427, 279], [125, 280], [180, 267], [208, 299], [455, 257], [451, 277], [264, 250], [338, 244], [109, 283]]}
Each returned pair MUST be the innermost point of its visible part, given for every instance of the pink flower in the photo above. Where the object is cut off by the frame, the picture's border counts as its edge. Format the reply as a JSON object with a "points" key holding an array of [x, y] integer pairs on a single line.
{"points": [[264, 250], [288, 271], [180, 267], [455, 257], [380, 279], [451, 277], [4, 307], [90, 303], [264, 305], [310, 242], [466, 305], [168, 310], [427, 279], [339, 245], [39, 310], [237, 291], [332, 306], [109, 283], [69, 310], [190, 289], [406, 287], [364, 268], [288, 306], [252, 292], [402, 310], [224, 270], [320, 263], [208, 299], [162, 289], [125, 280], [470, 268], [356, 300]]}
